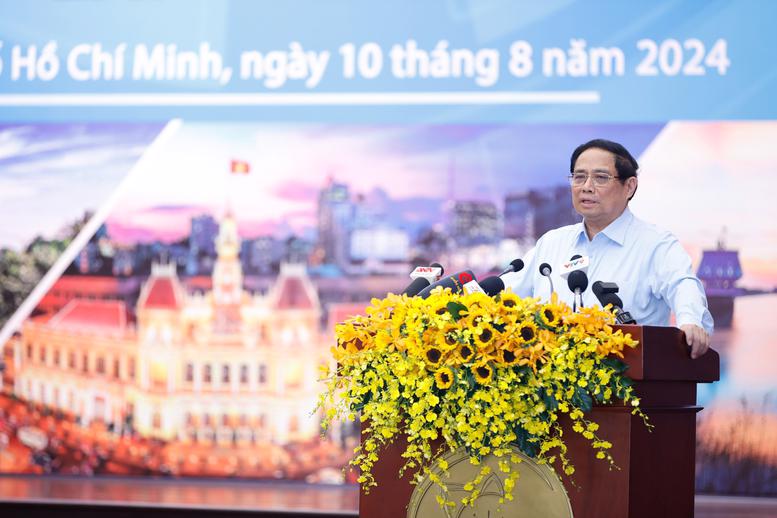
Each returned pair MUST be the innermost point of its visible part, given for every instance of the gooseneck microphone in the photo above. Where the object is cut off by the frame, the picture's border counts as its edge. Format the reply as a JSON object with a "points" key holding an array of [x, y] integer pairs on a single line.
{"points": [[574, 271], [422, 277], [546, 270], [516, 265], [606, 293], [495, 284], [577, 282]]}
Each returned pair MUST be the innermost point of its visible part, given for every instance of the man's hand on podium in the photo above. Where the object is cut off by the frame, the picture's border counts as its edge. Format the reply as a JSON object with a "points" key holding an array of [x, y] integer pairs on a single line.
{"points": [[697, 338]]}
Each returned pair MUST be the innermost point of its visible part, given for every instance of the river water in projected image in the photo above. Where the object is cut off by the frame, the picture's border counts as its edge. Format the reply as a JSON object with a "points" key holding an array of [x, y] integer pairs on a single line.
{"points": [[737, 430]]}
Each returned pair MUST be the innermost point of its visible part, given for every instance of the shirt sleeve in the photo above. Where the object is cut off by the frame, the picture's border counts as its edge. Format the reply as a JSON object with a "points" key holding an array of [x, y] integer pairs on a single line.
{"points": [[675, 282]]}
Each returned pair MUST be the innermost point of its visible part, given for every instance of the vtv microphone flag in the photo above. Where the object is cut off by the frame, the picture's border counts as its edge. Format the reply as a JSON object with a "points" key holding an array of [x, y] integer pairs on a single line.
{"points": [[574, 271], [577, 263]]}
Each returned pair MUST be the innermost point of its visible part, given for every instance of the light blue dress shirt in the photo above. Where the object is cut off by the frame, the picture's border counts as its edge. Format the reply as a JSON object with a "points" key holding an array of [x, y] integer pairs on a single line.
{"points": [[654, 273]]}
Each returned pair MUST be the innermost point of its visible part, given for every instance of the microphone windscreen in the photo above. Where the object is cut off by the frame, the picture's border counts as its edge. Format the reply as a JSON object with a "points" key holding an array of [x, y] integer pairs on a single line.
{"points": [[492, 285], [545, 269], [577, 280], [416, 286], [517, 265], [576, 256]]}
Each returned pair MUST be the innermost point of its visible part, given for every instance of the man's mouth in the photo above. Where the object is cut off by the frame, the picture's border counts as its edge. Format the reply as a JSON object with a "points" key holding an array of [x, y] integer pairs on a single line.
{"points": [[587, 202]]}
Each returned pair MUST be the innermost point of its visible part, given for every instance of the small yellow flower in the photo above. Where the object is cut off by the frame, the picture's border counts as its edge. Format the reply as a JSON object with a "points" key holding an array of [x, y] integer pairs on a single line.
{"points": [[443, 378]]}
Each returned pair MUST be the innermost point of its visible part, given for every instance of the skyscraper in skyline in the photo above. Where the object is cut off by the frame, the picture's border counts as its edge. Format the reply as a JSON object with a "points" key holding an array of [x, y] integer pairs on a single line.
{"points": [[334, 215]]}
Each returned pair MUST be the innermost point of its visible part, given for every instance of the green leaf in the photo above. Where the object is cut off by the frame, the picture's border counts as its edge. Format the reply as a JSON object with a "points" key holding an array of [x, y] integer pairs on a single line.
{"points": [[549, 400], [582, 399], [455, 309], [525, 443], [615, 364]]}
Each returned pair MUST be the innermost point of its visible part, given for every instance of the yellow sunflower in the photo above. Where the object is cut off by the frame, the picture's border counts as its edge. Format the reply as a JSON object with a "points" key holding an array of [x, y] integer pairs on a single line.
{"points": [[550, 314], [509, 300], [465, 352], [439, 306], [433, 356], [443, 378], [430, 337], [484, 373], [527, 332], [485, 338], [506, 357], [476, 318], [448, 337]]}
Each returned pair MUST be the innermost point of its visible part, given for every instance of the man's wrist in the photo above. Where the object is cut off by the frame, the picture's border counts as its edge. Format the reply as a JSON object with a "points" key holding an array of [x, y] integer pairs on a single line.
{"points": [[683, 320]]}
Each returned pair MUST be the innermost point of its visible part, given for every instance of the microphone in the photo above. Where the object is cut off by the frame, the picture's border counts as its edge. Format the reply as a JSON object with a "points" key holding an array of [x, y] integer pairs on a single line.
{"points": [[577, 282], [600, 287], [458, 282], [492, 285], [574, 271], [545, 270], [516, 265], [422, 277], [606, 293]]}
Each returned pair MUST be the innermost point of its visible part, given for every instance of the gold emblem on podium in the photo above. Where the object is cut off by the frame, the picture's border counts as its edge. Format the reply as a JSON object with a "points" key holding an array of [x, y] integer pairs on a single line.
{"points": [[538, 492]]}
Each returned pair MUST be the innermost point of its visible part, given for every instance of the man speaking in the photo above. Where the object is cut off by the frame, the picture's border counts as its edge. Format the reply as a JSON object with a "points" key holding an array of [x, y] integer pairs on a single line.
{"points": [[651, 269]]}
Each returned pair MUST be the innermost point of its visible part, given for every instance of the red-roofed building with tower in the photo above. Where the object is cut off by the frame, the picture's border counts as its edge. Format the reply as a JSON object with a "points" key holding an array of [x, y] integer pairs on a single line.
{"points": [[217, 364]]}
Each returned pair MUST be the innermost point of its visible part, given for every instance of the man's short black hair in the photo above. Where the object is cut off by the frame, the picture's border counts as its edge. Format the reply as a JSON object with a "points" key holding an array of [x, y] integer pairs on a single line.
{"points": [[625, 164]]}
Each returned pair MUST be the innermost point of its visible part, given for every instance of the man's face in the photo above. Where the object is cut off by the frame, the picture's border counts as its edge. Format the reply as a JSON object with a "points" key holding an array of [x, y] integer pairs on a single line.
{"points": [[600, 205]]}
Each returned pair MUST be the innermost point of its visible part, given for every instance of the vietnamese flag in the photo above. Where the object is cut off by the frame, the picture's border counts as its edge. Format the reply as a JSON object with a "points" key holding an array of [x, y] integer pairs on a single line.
{"points": [[239, 167]]}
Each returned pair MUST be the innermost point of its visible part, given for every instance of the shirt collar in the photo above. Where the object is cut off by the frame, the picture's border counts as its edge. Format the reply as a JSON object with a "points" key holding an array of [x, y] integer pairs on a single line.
{"points": [[615, 231]]}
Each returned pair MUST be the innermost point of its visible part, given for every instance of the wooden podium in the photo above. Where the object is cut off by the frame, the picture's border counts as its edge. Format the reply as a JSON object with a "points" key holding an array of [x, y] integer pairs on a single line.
{"points": [[657, 468]]}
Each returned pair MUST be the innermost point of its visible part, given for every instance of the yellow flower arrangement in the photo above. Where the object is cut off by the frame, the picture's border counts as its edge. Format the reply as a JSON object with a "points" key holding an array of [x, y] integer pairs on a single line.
{"points": [[480, 373]]}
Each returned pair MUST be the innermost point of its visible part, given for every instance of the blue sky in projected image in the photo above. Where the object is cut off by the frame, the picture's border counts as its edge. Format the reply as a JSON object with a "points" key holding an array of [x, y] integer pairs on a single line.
{"points": [[51, 173], [489, 160], [411, 169]]}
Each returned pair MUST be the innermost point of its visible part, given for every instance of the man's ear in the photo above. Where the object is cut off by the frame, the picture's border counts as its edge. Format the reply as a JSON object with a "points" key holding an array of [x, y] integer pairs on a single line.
{"points": [[632, 183]]}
